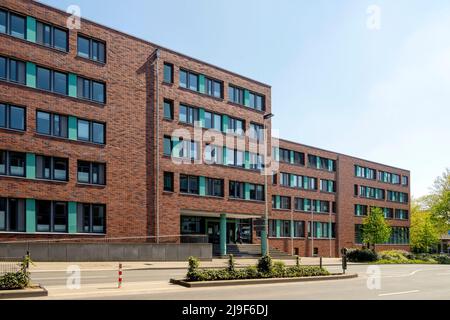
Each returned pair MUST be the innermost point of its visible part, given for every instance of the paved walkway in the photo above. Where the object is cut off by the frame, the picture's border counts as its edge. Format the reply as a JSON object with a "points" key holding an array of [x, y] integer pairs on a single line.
{"points": [[216, 263]]}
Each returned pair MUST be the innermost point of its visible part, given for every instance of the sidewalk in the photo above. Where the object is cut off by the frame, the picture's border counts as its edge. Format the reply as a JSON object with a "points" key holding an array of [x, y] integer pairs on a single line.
{"points": [[216, 263]]}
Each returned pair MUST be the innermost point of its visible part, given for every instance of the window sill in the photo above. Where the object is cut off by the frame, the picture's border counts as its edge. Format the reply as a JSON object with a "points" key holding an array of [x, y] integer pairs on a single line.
{"points": [[169, 84], [58, 95], [317, 213], [262, 112], [201, 94], [91, 185], [247, 200], [87, 143], [99, 63], [56, 50], [292, 164], [13, 131], [200, 196], [321, 170], [294, 188]]}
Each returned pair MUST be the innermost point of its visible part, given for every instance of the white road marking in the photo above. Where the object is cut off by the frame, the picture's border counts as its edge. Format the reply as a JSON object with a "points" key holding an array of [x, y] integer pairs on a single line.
{"points": [[397, 293], [403, 275]]}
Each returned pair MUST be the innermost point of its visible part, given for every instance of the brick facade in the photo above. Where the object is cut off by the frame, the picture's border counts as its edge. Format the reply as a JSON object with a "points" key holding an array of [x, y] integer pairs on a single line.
{"points": [[136, 205]]}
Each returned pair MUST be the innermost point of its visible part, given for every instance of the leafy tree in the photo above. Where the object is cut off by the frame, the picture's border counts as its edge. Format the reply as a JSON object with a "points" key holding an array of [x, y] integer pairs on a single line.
{"points": [[439, 202], [425, 229], [375, 229]]}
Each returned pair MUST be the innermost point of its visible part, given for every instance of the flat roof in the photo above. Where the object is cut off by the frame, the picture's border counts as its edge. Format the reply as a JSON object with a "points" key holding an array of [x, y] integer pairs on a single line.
{"points": [[341, 154], [37, 2]]}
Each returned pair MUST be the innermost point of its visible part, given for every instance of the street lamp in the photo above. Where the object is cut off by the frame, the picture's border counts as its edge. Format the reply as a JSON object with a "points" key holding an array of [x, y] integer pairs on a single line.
{"points": [[265, 234]]}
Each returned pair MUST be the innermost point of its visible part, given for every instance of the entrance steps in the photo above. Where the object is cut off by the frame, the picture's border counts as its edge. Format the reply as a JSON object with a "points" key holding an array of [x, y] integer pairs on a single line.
{"points": [[251, 251]]}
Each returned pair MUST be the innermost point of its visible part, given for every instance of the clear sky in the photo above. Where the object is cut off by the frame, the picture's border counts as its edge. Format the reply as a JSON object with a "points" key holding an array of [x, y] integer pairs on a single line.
{"points": [[380, 94]]}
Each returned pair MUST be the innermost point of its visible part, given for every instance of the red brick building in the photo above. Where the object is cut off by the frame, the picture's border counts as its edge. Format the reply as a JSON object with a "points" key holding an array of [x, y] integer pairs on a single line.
{"points": [[94, 123]]}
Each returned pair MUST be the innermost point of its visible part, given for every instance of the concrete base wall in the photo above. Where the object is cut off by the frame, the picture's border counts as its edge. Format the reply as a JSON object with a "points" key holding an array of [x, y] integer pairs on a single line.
{"points": [[85, 252]]}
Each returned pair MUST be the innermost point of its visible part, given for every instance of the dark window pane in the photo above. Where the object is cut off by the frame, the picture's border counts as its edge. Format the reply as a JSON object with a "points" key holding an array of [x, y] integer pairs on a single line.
{"points": [[2, 67], [3, 21], [168, 181], [17, 71], [60, 83], [183, 79], [43, 122], [98, 92], [193, 82], [60, 39], [98, 219], [43, 78], [43, 167], [101, 52], [2, 115], [168, 73], [2, 162], [43, 214], [83, 47], [2, 214], [83, 130], [95, 50], [168, 110], [60, 217], [83, 172], [17, 26], [17, 118], [60, 169], [43, 34], [17, 164], [98, 133], [83, 88], [98, 173], [183, 113]]}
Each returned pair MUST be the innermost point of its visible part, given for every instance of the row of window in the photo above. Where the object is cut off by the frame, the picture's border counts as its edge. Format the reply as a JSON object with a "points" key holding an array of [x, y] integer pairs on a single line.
{"points": [[214, 88], [380, 194], [14, 164], [321, 163], [304, 182], [298, 158], [15, 71], [285, 156], [51, 216], [12, 117], [57, 125], [190, 151], [382, 176], [214, 187], [51, 36], [302, 204], [296, 229], [400, 235], [389, 213]]}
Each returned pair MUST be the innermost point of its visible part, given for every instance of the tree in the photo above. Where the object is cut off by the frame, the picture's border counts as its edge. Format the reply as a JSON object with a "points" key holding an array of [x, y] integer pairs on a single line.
{"points": [[375, 229], [440, 198], [425, 229]]}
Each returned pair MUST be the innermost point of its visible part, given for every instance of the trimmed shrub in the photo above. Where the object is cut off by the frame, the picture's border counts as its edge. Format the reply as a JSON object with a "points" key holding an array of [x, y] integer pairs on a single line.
{"points": [[394, 255], [265, 264], [361, 255], [14, 281], [279, 269], [442, 259]]}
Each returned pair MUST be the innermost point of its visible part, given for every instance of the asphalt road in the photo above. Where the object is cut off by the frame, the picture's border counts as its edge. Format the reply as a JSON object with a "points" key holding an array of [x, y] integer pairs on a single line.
{"points": [[395, 282]]}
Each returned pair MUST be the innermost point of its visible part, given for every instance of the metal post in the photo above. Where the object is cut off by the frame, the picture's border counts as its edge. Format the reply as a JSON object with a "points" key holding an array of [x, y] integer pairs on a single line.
{"points": [[321, 262], [312, 229], [292, 231]]}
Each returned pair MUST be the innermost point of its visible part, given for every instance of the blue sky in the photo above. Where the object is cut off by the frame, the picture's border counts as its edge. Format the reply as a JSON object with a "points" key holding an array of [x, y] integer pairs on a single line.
{"points": [[380, 94]]}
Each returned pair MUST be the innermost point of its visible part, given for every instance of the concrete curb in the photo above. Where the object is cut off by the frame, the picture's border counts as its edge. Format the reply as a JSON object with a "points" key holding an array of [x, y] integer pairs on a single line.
{"points": [[33, 292], [222, 283]]}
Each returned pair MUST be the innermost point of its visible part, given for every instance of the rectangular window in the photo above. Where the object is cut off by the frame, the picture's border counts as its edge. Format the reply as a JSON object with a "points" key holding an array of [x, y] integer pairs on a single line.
{"points": [[285, 228], [214, 88], [12, 117], [168, 146], [168, 109], [367, 173], [16, 71], [256, 101], [236, 126], [321, 163], [256, 132], [183, 79], [17, 26], [91, 173], [91, 49], [12, 215], [214, 187], [327, 186], [299, 158], [189, 115], [43, 79], [50, 36], [16, 161], [51, 124], [91, 218], [189, 184], [256, 192], [91, 131], [168, 181], [52, 168], [237, 190], [189, 80], [3, 24], [236, 95], [3, 162], [3, 65], [405, 181], [60, 84], [369, 192], [285, 203], [51, 216], [168, 72], [235, 158], [213, 121], [299, 229], [60, 39], [91, 90], [213, 154]]}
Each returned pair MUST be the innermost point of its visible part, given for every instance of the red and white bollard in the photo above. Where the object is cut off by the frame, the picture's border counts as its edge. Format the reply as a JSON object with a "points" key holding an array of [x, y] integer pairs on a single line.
{"points": [[120, 275]]}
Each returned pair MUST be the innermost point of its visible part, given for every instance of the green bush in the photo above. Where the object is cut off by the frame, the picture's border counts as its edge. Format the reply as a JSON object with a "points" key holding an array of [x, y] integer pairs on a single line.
{"points": [[395, 255], [442, 259], [279, 269], [14, 281], [361, 255], [265, 264]]}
